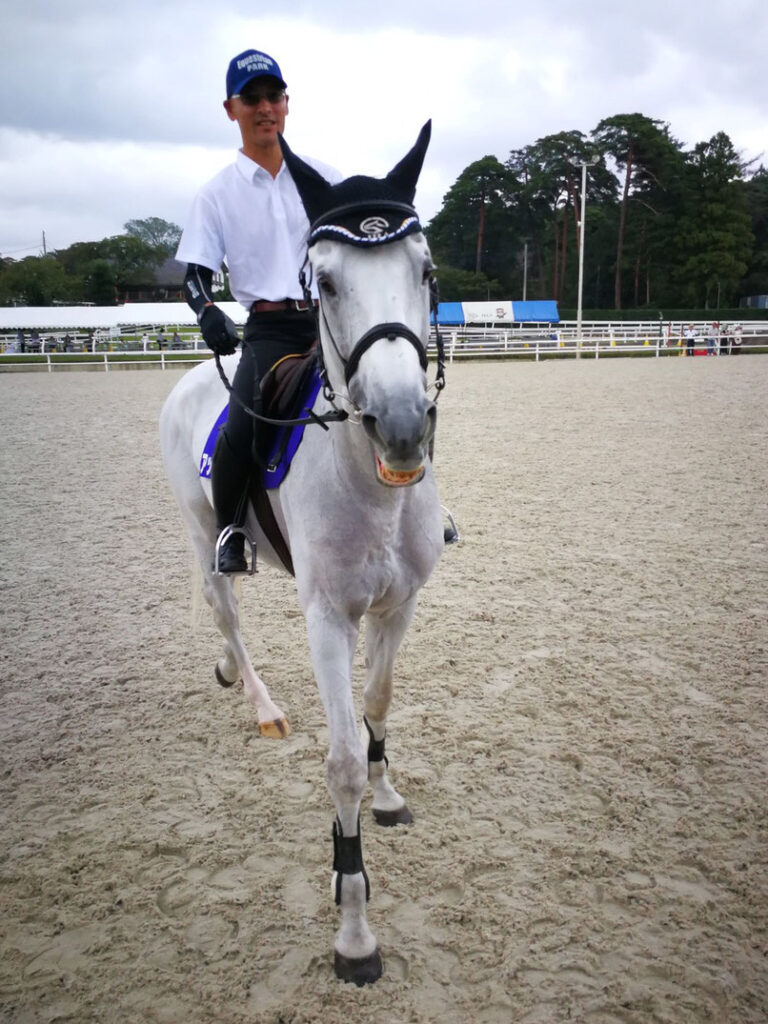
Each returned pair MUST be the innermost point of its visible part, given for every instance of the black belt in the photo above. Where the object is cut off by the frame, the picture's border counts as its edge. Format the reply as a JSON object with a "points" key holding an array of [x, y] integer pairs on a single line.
{"points": [[264, 306]]}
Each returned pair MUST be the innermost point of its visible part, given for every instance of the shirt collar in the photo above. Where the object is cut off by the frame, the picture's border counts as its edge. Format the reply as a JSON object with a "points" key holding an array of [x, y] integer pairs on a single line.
{"points": [[253, 172]]}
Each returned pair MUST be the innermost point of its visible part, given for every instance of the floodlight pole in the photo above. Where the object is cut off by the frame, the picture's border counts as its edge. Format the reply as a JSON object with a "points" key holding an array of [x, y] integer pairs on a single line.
{"points": [[583, 164]]}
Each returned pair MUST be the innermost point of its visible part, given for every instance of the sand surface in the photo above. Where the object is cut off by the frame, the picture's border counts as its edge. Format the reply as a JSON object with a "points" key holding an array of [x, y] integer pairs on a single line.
{"points": [[580, 724]]}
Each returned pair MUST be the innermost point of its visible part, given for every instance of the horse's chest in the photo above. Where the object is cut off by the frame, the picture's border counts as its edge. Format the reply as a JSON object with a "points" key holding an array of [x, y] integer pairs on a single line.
{"points": [[384, 578]]}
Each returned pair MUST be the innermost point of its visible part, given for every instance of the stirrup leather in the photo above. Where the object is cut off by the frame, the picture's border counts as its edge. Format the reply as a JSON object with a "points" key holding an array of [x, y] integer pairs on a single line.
{"points": [[224, 536]]}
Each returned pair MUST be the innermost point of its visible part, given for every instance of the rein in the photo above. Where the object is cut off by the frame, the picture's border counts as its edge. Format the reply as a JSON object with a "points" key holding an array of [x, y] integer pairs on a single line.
{"points": [[322, 420]]}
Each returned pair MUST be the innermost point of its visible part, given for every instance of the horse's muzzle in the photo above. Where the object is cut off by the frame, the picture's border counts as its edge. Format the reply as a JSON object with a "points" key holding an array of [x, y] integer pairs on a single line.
{"points": [[401, 437]]}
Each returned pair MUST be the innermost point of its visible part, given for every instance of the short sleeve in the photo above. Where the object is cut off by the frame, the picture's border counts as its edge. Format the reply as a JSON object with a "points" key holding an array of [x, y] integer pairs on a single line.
{"points": [[202, 239]]}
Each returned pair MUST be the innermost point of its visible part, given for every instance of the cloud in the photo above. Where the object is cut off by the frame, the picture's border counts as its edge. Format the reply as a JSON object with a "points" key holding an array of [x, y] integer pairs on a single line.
{"points": [[95, 188], [109, 115]]}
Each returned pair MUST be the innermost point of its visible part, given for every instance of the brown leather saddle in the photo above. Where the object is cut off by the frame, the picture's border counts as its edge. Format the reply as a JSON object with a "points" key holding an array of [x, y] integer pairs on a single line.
{"points": [[283, 390]]}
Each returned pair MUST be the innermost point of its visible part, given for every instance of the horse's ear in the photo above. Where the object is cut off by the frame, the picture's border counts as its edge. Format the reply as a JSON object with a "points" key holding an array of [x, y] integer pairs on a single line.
{"points": [[314, 190], [405, 174]]}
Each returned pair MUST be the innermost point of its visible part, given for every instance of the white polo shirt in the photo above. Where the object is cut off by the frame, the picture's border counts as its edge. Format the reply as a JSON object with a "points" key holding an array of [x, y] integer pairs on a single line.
{"points": [[257, 224]]}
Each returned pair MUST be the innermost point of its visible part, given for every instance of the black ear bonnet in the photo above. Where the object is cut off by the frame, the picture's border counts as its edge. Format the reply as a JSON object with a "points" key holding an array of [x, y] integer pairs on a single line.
{"points": [[360, 210]]}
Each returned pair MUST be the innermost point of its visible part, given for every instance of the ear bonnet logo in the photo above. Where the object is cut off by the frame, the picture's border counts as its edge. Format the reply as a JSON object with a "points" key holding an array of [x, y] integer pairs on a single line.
{"points": [[374, 227]]}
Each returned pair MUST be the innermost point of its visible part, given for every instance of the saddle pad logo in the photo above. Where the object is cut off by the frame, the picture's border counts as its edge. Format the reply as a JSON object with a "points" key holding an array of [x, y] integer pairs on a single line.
{"points": [[374, 227], [206, 459]]}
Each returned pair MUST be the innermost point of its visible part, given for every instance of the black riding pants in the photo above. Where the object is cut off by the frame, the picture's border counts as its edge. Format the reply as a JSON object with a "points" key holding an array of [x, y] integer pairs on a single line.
{"points": [[267, 337]]}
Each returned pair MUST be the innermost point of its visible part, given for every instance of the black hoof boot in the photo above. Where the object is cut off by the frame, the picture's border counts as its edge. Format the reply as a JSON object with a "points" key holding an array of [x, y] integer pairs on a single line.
{"points": [[361, 972], [231, 554], [450, 536]]}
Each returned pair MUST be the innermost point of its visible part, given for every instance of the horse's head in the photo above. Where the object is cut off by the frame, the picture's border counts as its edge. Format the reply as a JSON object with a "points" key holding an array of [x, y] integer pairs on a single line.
{"points": [[373, 271]]}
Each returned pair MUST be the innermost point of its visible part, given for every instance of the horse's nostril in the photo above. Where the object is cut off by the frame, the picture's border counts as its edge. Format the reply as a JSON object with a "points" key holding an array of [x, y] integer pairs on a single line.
{"points": [[369, 425]]}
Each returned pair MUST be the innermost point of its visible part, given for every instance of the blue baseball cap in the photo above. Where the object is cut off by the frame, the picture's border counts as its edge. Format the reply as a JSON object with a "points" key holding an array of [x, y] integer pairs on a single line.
{"points": [[248, 65]]}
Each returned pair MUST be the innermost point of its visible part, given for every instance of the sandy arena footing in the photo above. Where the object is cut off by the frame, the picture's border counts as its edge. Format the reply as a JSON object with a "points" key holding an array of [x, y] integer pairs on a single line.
{"points": [[579, 723]]}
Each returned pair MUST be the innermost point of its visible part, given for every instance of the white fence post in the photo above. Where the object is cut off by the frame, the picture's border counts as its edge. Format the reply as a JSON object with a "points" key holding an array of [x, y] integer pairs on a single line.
{"points": [[106, 362]]}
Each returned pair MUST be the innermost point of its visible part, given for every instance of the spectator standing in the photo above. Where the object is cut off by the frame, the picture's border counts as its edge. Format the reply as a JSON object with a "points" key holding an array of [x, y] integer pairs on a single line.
{"points": [[690, 340], [713, 339]]}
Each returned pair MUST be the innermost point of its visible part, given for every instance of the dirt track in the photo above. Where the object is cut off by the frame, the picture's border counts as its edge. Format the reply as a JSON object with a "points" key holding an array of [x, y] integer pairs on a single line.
{"points": [[579, 725]]}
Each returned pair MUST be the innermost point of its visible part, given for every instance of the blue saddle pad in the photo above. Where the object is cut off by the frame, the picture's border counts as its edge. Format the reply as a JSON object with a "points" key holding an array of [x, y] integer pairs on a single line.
{"points": [[277, 468]]}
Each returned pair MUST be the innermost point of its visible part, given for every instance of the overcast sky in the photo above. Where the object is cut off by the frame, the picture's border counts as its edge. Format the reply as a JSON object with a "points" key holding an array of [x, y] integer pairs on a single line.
{"points": [[110, 112]]}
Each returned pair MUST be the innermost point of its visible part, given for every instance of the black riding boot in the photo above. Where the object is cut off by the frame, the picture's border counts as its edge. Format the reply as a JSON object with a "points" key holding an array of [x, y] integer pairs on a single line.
{"points": [[229, 483]]}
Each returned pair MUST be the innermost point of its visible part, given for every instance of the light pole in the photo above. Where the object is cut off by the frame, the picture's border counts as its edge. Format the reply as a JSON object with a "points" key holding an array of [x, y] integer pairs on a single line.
{"points": [[525, 270], [584, 164]]}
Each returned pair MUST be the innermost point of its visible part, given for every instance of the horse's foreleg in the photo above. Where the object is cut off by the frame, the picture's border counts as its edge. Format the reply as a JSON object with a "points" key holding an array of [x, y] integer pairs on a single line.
{"points": [[384, 634], [332, 640]]}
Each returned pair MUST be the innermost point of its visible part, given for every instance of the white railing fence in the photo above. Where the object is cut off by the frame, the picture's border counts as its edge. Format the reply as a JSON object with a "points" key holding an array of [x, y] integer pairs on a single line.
{"points": [[537, 341], [598, 338]]}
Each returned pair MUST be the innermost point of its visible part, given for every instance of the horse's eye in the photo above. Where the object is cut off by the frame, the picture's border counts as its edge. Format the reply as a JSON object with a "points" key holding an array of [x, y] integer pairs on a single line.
{"points": [[326, 287], [427, 276]]}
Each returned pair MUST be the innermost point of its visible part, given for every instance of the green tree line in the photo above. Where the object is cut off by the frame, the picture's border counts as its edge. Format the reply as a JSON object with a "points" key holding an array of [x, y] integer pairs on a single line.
{"points": [[96, 272], [664, 227]]}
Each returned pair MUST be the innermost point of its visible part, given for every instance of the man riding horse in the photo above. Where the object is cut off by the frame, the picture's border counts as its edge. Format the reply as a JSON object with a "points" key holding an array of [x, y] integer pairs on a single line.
{"points": [[250, 215]]}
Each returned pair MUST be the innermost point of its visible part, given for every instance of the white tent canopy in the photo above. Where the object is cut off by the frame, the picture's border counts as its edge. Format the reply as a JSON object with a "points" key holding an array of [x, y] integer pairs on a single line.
{"points": [[133, 314]]}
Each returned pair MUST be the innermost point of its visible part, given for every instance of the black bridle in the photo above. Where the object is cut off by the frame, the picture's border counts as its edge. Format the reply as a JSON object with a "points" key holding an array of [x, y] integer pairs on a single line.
{"points": [[391, 331]]}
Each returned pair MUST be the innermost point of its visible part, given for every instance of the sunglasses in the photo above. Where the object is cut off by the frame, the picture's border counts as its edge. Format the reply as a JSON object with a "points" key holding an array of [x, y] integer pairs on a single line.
{"points": [[252, 97]]}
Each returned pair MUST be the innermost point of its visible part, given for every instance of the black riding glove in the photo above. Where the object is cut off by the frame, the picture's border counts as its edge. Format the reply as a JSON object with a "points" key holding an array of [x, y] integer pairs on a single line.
{"points": [[219, 331]]}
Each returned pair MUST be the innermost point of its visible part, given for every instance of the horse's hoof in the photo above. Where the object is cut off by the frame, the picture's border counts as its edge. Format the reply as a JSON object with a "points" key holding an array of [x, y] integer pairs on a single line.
{"points": [[361, 972], [222, 680], [402, 816], [279, 729]]}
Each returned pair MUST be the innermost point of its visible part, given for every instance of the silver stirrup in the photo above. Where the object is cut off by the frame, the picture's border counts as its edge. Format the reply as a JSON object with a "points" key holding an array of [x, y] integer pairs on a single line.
{"points": [[226, 533], [447, 513]]}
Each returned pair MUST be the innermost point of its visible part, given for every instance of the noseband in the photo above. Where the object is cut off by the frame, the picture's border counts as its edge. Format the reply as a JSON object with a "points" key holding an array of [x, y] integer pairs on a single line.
{"points": [[390, 331]]}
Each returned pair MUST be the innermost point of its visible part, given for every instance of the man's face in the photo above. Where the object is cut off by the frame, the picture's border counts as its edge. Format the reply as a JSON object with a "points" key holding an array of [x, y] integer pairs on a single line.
{"points": [[260, 110]]}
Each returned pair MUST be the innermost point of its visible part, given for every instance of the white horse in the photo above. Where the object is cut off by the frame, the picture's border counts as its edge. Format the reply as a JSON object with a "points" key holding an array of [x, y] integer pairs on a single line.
{"points": [[359, 508]]}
